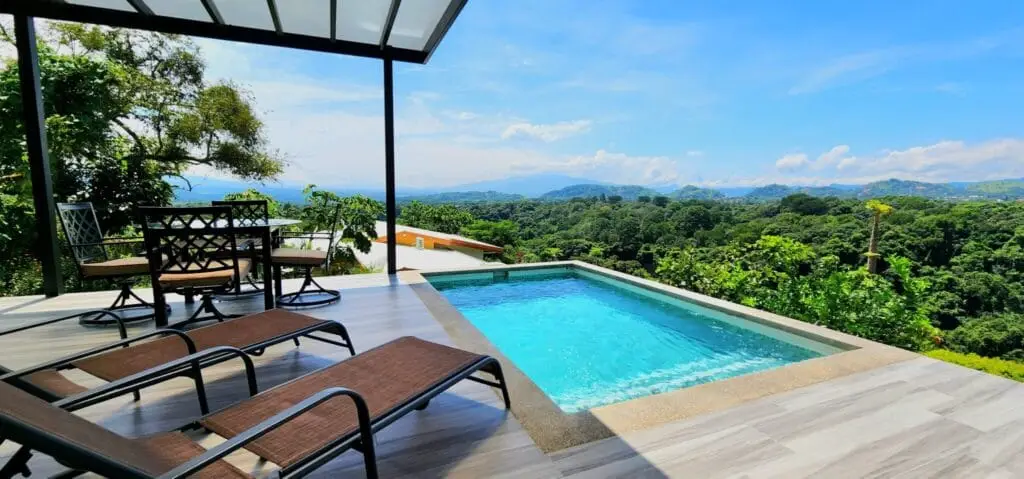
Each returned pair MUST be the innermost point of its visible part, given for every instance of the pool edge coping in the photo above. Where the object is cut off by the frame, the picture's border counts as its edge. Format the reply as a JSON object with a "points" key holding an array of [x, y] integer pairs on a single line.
{"points": [[553, 430]]}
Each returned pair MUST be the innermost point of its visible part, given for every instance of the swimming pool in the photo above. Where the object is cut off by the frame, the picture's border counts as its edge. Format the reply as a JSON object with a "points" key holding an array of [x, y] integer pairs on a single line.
{"points": [[589, 340]]}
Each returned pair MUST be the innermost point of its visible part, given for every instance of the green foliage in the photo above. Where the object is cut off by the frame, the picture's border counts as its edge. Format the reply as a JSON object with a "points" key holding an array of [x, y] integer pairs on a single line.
{"points": [[357, 216], [804, 204], [125, 109], [443, 218], [999, 336], [627, 192], [273, 207], [690, 192], [498, 233], [999, 367]]}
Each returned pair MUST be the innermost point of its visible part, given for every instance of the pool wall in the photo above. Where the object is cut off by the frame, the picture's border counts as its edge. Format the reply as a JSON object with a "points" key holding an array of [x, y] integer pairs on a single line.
{"points": [[552, 429]]}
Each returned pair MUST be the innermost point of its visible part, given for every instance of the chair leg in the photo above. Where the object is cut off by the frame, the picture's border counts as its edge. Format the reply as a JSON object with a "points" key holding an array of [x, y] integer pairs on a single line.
{"points": [[17, 464], [206, 305], [309, 288], [126, 300]]}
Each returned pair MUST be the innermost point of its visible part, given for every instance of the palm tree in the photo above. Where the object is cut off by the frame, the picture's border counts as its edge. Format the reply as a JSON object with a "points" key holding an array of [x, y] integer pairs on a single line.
{"points": [[879, 209]]}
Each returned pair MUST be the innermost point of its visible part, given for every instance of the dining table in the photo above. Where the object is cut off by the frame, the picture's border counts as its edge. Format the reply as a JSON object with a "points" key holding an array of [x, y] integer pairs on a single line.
{"points": [[268, 231]]}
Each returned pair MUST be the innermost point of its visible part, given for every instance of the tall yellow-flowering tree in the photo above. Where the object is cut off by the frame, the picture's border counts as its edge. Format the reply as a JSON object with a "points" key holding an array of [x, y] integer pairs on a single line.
{"points": [[879, 209]]}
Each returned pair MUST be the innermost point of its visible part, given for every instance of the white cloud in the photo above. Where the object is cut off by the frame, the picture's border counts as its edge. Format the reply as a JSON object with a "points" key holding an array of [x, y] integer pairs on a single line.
{"points": [[798, 161], [548, 133], [791, 162], [938, 163]]}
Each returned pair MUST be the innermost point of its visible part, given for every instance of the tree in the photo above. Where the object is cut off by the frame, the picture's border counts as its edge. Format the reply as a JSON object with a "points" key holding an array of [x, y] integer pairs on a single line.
{"points": [[614, 199], [878, 210], [643, 199], [124, 110], [498, 233], [661, 201], [357, 219], [442, 218], [273, 207]]}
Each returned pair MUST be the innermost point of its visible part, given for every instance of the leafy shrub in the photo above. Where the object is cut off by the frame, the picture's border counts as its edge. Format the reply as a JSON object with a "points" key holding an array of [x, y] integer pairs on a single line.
{"points": [[993, 336], [998, 367]]}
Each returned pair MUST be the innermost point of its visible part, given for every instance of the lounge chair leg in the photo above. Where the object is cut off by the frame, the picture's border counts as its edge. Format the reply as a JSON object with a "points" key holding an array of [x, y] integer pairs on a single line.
{"points": [[423, 406], [500, 376], [204, 406], [137, 395], [296, 341], [17, 464]]}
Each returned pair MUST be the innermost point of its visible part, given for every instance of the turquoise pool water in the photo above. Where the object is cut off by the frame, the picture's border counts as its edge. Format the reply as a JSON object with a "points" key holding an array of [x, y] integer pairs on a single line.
{"points": [[588, 340]]}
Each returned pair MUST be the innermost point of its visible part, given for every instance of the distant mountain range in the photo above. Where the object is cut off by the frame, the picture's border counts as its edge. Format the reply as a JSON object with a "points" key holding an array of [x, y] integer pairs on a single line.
{"points": [[561, 187]]}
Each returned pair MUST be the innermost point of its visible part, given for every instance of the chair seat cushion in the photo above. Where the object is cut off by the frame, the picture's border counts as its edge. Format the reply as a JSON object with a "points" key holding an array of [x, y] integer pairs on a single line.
{"points": [[200, 279], [137, 265], [298, 257]]}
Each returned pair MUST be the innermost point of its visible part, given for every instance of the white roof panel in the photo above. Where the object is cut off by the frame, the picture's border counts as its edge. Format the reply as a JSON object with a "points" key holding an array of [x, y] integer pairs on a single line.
{"points": [[367, 28]]}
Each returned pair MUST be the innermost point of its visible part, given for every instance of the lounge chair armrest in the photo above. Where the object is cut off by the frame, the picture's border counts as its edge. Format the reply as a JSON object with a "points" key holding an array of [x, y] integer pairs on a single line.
{"points": [[25, 327], [279, 419], [100, 349], [194, 361]]}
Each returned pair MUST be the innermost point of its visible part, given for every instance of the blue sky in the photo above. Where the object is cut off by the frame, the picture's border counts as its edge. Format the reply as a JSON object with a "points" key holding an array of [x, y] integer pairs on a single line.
{"points": [[664, 92]]}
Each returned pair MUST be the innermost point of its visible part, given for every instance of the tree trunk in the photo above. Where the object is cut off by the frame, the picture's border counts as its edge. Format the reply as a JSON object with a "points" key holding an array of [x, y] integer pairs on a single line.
{"points": [[873, 245]]}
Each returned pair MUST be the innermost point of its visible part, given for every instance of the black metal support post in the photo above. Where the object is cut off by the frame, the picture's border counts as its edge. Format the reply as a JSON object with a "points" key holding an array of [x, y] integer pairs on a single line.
{"points": [[389, 163], [34, 120]]}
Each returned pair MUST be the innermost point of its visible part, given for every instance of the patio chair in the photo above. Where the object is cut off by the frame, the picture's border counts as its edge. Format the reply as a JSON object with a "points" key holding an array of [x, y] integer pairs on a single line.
{"points": [[299, 426], [250, 334], [89, 248], [307, 259], [193, 251], [247, 213]]}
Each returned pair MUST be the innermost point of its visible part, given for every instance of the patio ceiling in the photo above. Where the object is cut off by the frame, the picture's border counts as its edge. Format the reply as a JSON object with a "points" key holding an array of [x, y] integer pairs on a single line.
{"points": [[407, 31]]}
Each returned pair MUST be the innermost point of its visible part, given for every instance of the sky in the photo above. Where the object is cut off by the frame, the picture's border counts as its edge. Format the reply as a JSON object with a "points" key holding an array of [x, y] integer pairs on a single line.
{"points": [[658, 93]]}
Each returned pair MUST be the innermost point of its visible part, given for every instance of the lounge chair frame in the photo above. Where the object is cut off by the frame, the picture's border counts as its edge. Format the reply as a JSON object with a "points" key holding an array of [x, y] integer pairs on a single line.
{"points": [[360, 440], [176, 368]]}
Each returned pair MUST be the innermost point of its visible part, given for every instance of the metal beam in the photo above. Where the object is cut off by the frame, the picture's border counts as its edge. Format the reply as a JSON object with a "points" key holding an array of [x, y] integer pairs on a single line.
{"points": [[34, 119], [272, 5], [390, 205], [446, 21], [157, 23], [334, 20], [211, 9], [389, 23], [141, 7]]}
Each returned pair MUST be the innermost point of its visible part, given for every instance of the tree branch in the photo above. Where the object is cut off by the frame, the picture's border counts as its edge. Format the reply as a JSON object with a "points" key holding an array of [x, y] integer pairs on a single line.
{"points": [[189, 183], [131, 133]]}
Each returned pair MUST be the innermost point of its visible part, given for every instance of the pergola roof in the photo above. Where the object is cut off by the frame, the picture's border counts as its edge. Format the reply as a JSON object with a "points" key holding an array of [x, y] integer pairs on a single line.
{"points": [[389, 29]]}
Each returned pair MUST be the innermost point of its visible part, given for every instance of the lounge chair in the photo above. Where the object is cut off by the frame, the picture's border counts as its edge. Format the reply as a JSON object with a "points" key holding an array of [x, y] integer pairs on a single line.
{"points": [[299, 426], [116, 361]]}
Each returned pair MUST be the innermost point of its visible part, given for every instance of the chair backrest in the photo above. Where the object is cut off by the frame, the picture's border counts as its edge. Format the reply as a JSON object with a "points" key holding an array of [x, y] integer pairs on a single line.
{"points": [[34, 423], [82, 230], [189, 240], [247, 212]]}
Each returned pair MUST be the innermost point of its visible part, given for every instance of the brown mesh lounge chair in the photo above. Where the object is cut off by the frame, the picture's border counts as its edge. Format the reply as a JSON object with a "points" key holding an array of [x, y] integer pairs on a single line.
{"points": [[117, 361], [299, 426], [89, 248]]}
